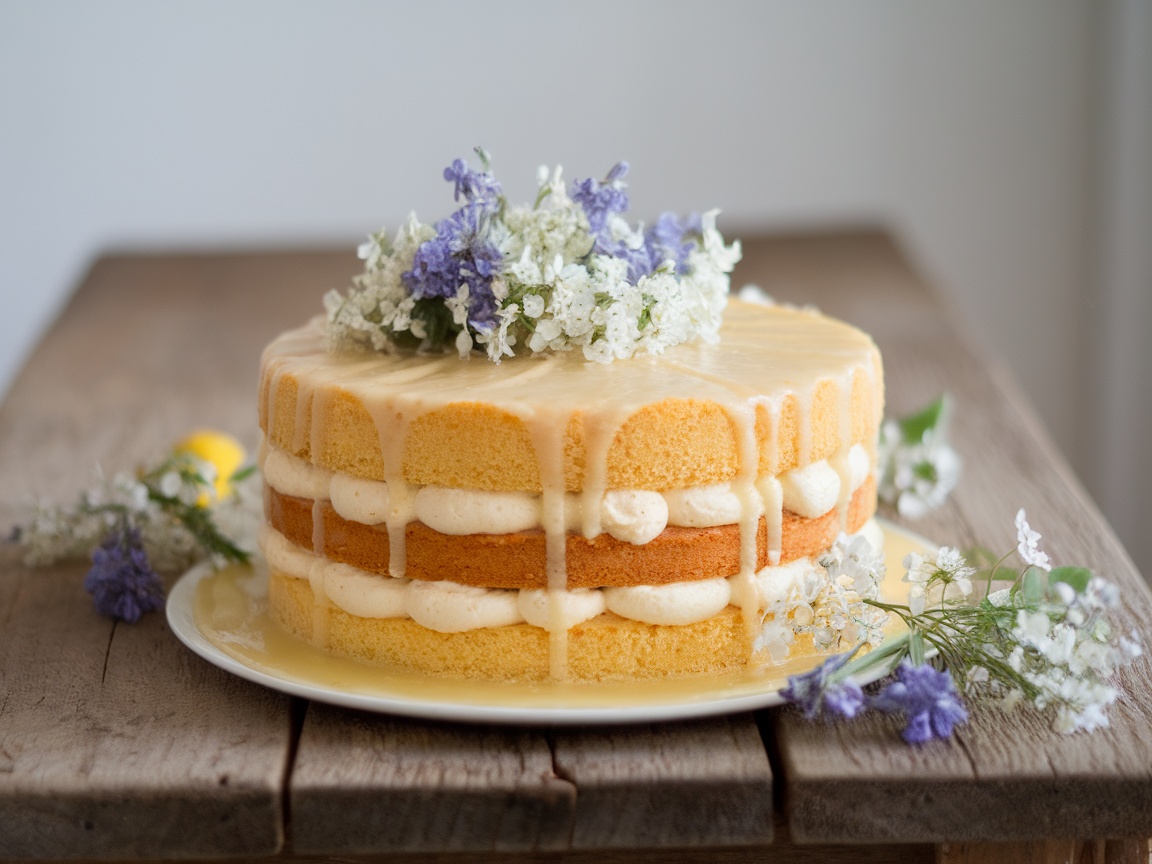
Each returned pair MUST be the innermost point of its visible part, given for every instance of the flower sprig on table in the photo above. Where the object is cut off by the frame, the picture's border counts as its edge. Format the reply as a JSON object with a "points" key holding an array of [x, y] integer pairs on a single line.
{"points": [[1036, 634], [566, 273], [917, 467], [197, 502]]}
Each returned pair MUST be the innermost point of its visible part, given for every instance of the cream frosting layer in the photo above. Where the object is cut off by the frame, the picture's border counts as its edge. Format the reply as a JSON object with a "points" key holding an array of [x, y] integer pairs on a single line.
{"points": [[450, 607], [630, 515]]}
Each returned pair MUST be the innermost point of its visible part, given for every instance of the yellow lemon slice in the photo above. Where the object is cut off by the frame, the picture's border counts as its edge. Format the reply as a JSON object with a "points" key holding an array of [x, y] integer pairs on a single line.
{"points": [[218, 449]]}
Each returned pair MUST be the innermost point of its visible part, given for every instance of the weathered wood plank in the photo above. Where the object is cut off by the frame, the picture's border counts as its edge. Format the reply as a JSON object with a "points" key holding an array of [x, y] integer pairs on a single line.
{"points": [[366, 784], [705, 782], [1047, 852], [1003, 777], [117, 742], [369, 784], [114, 740], [776, 853]]}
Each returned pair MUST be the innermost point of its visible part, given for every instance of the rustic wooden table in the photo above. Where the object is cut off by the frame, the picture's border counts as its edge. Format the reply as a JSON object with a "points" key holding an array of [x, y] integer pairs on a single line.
{"points": [[118, 743]]}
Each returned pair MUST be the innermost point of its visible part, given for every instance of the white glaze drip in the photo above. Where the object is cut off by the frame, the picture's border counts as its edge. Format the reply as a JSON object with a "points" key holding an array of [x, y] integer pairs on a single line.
{"points": [[391, 427], [549, 446], [743, 417]]}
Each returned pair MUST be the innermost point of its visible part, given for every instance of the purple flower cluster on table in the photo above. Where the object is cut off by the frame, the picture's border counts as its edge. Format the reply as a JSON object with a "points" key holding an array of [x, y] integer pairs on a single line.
{"points": [[601, 201], [475, 186], [568, 273], [822, 690], [927, 697], [122, 583], [670, 239]]}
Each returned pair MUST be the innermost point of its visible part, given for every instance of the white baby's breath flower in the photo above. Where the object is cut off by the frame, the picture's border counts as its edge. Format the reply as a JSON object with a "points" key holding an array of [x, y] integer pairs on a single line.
{"points": [[917, 467], [975, 677], [1130, 648], [458, 306], [776, 639], [829, 603], [1011, 700], [948, 578], [1000, 598], [1027, 544], [755, 294]]}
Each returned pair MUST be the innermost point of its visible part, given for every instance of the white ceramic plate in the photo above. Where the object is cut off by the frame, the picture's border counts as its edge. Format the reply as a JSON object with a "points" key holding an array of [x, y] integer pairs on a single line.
{"points": [[221, 615]]}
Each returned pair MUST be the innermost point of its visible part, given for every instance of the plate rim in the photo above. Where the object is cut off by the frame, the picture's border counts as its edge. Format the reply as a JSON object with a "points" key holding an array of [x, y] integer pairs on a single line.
{"points": [[182, 622]]}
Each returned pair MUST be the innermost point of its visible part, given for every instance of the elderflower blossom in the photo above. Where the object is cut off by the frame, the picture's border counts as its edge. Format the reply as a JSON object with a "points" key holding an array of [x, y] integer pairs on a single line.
{"points": [[918, 468], [568, 273], [829, 602], [1027, 541], [1046, 640], [947, 578]]}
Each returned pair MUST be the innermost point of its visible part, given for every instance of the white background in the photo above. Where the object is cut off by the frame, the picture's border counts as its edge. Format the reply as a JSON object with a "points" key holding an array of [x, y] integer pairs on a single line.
{"points": [[1007, 143]]}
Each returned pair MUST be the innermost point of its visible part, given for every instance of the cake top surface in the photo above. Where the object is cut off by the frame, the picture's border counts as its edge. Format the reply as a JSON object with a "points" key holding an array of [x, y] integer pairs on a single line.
{"points": [[764, 352]]}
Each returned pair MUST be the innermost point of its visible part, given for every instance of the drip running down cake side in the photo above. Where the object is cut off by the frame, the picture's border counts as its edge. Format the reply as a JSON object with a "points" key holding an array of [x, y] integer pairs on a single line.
{"points": [[548, 517]]}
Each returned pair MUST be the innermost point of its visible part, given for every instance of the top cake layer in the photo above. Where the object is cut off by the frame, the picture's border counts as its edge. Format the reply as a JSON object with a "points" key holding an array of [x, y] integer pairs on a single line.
{"points": [[783, 388]]}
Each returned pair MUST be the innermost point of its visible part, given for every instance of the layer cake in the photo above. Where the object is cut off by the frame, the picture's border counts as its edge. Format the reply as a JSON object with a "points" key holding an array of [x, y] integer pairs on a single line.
{"points": [[548, 517]]}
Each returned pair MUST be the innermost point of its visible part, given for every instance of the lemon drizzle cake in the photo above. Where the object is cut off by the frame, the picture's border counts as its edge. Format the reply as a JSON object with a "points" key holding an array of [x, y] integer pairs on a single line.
{"points": [[554, 517]]}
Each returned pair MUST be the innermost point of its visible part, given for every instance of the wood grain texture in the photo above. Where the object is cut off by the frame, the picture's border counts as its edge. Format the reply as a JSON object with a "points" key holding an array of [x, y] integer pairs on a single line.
{"points": [[363, 784], [1046, 852], [114, 739], [369, 784], [705, 782], [1002, 776]]}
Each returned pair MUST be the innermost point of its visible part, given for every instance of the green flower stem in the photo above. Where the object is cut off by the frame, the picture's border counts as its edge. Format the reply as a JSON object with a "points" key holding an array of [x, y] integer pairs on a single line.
{"points": [[889, 652]]}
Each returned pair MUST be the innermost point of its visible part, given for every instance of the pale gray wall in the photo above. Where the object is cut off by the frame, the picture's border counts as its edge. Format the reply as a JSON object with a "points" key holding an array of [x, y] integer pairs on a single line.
{"points": [[970, 127]]}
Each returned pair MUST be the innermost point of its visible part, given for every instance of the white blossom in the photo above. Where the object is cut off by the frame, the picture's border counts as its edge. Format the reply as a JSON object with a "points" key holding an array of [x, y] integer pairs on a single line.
{"points": [[828, 602], [948, 578], [918, 473], [1027, 544]]}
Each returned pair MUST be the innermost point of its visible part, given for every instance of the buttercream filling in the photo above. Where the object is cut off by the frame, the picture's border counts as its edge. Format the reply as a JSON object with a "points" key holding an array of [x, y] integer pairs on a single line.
{"points": [[450, 607], [630, 515]]}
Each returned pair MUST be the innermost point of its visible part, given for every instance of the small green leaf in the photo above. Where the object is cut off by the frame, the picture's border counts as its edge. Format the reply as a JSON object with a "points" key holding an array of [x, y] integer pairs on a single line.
{"points": [[914, 426], [242, 474], [1077, 577], [1034, 585]]}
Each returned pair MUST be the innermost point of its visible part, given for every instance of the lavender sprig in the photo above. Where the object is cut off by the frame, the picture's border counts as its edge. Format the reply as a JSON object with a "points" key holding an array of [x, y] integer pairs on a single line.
{"points": [[122, 582]]}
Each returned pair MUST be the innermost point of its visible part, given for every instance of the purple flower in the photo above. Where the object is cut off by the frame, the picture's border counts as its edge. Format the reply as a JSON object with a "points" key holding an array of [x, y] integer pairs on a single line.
{"points": [[121, 581], [459, 253], [671, 238], [479, 186], [929, 699], [601, 200], [815, 691]]}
